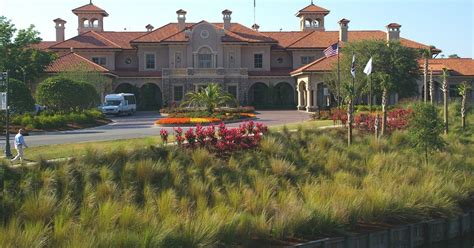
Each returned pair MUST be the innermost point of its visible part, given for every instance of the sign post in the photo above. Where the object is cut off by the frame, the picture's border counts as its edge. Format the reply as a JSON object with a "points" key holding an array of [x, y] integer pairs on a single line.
{"points": [[4, 81]]}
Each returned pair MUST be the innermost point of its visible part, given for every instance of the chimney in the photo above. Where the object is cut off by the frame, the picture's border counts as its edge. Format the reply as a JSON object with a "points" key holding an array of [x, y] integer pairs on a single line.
{"points": [[393, 31], [255, 27], [227, 18], [149, 28], [181, 19], [60, 29], [343, 30]]}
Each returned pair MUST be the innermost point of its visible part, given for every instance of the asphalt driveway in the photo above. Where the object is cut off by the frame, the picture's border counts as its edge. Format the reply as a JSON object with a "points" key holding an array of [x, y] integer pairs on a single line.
{"points": [[141, 125]]}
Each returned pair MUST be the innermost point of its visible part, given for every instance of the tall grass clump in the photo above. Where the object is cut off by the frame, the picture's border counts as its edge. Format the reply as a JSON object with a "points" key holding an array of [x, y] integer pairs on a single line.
{"points": [[295, 186]]}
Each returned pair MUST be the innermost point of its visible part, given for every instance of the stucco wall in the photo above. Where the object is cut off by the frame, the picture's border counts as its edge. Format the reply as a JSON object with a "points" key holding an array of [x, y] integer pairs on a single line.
{"points": [[285, 62], [161, 55], [109, 57], [121, 57], [248, 57], [298, 54]]}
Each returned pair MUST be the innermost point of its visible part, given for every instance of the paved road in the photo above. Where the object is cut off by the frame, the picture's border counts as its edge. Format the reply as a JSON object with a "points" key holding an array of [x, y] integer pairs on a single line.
{"points": [[140, 125]]}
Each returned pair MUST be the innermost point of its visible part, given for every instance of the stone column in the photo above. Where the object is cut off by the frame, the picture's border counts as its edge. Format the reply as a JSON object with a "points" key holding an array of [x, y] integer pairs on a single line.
{"points": [[309, 104]]}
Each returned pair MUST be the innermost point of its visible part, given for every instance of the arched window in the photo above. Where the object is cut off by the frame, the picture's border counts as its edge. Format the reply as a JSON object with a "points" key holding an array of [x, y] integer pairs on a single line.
{"points": [[94, 23], [85, 23], [316, 23], [204, 58], [308, 23]]}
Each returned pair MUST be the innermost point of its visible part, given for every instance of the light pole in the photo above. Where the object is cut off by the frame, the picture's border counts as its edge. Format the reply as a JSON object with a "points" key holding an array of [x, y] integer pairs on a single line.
{"points": [[4, 79]]}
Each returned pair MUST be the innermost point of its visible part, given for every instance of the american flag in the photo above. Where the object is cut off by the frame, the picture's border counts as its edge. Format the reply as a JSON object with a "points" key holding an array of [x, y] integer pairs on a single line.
{"points": [[332, 50]]}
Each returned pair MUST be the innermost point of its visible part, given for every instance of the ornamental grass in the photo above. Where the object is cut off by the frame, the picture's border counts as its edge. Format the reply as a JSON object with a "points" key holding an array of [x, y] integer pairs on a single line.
{"points": [[293, 187]]}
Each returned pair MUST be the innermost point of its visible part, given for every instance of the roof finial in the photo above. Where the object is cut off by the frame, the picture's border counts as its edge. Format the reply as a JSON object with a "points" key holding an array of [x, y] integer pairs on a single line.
{"points": [[311, 2], [90, 1]]}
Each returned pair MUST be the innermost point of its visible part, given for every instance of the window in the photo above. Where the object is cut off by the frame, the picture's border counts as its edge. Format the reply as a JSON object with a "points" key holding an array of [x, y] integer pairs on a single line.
{"points": [[131, 99], [258, 60], [204, 60], [306, 59], [178, 93], [231, 59], [177, 59], [150, 61], [99, 60], [232, 89]]}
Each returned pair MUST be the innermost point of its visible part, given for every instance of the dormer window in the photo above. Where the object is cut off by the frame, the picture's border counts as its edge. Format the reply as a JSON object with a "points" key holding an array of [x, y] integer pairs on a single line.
{"points": [[306, 60], [258, 61]]}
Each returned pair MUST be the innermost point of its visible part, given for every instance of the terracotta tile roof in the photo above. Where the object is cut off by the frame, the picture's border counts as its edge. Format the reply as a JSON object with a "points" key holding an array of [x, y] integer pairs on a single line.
{"points": [[311, 9], [122, 38], [236, 33], [285, 39], [321, 65], [89, 40], [72, 61], [323, 39], [457, 67], [89, 8], [274, 72], [44, 45]]}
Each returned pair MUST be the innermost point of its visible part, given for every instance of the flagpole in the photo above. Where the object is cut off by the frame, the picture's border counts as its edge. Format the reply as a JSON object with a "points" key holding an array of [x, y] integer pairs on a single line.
{"points": [[370, 93], [338, 77]]}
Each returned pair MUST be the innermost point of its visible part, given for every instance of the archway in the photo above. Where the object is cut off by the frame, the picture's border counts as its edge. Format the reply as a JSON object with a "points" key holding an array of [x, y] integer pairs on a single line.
{"points": [[259, 95], [125, 88], [150, 97], [284, 96]]}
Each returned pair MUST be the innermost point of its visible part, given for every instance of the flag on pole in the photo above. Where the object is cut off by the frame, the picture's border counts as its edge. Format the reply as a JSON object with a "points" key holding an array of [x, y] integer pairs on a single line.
{"points": [[353, 66], [368, 67], [332, 50]]}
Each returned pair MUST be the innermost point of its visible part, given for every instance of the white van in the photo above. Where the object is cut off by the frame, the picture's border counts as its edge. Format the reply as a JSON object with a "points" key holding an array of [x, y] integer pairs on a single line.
{"points": [[117, 104]]}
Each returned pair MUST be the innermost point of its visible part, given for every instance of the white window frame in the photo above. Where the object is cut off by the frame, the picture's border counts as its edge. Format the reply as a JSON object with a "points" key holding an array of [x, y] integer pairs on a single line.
{"points": [[263, 58], [174, 98], [99, 58], [145, 61], [237, 90], [180, 59]]}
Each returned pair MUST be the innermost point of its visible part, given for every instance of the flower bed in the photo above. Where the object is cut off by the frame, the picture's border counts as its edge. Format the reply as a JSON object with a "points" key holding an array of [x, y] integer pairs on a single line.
{"points": [[221, 140], [397, 119], [172, 120]]}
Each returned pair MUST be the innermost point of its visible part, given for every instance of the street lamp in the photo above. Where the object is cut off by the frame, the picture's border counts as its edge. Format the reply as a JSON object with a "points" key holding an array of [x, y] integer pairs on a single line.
{"points": [[5, 81]]}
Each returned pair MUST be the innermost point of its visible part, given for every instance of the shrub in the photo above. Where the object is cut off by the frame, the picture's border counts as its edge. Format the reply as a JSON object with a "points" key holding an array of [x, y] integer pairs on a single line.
{"points": [[20, 99], [65, 95]]}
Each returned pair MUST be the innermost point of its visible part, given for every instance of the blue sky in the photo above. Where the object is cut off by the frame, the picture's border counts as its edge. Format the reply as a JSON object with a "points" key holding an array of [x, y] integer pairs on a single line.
{"points": [[449, 25]]}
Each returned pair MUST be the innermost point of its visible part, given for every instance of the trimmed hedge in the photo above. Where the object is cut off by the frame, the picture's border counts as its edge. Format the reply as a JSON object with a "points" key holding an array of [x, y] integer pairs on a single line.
{"points": [[55, 121], [61, 94]]}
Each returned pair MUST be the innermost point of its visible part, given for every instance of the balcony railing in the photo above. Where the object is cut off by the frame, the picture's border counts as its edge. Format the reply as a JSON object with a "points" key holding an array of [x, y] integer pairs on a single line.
{"points": [[190, 72]]}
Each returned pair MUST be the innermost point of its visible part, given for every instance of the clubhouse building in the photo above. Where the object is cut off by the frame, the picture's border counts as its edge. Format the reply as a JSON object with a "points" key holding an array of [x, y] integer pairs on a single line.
{"points": [[264, 69]]}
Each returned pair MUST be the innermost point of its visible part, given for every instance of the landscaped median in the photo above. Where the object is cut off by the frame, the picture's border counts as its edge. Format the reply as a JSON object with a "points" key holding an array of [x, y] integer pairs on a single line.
{"points": [[182, 116]]}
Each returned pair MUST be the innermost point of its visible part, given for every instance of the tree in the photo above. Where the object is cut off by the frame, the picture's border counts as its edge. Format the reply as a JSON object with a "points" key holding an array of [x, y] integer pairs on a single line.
{"points": [[18, 54], [425, 129], [426, 54], [463, 89], [20, 99], [454, 56], [211, 97], [395, 69], [65, 95], [445, 89], [101, 82]]}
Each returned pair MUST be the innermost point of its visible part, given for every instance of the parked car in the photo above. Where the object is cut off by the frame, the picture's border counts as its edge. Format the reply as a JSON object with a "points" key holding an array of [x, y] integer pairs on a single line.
{"points": [[117, 104]]}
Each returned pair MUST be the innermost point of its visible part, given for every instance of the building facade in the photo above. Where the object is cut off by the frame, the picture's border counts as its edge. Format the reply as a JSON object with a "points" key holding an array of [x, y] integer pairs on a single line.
{"points": [[264, 69]]}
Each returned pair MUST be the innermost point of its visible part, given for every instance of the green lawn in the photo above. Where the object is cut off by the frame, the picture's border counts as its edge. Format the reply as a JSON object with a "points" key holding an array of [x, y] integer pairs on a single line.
{"points": [[78, 149]]}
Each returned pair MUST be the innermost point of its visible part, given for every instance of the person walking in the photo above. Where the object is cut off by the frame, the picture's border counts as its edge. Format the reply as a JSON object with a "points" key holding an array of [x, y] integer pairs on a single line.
{"points": [[19, 145]]}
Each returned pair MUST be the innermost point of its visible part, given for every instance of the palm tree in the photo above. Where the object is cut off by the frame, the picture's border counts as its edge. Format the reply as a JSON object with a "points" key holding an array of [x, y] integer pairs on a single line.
{"points": [[426, 55], [385, 84], [445, 90], [350, 94], [210, 98], [463, 88]]}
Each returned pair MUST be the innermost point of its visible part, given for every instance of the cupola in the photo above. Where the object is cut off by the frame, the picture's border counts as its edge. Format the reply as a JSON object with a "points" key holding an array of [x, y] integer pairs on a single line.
{"points": [[312, 18], [90, 17]]}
